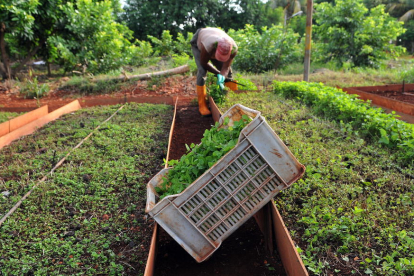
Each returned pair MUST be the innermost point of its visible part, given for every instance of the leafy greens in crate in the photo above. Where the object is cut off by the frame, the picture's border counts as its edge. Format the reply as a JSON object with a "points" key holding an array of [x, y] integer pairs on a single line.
{"points": [[215, 143]]}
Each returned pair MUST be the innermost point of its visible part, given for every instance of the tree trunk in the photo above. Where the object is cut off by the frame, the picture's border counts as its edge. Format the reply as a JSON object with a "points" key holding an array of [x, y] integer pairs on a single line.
{"points": [[29, 56], [5, 69], [49, 71], [174, 71], [3, 73]]}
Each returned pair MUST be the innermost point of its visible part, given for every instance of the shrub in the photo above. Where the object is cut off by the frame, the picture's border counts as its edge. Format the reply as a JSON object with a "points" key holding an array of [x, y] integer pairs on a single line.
{"points": [[33, 90], [140, 53], [370, 122], [270, 49], [181, 59], [349, 33], [182, 44], [163, 46]]}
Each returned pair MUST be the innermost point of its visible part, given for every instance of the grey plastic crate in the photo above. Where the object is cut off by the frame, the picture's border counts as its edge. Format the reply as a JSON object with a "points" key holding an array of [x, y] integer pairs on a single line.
{"points": [[230, 192]]}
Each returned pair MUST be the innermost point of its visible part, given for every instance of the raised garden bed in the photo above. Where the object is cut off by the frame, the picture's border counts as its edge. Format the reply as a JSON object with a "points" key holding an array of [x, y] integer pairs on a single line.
{"points": [[398, 98], [88, 217], [352, 211], [248, 239]]}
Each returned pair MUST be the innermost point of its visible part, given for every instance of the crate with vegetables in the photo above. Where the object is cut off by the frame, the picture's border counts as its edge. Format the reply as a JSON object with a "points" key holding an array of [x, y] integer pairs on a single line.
{"points": [[238, 167]]}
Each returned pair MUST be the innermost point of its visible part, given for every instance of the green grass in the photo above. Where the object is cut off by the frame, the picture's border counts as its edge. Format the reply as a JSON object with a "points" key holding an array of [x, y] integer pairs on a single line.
{"points": [[6, 116], [353, 209], [88, 217], [390, 72], [80, 86]]}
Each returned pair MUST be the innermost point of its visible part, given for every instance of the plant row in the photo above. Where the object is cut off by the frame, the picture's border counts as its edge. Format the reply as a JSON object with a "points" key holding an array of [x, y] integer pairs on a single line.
{"points": [[370, 122]]}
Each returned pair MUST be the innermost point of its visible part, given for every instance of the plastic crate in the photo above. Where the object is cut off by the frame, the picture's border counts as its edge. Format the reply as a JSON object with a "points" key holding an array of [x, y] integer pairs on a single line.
{"points": [[230, 192]]}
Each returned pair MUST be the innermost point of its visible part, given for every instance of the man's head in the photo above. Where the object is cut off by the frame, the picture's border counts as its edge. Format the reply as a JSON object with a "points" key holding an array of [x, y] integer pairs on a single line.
{"points": [[223, 50]]}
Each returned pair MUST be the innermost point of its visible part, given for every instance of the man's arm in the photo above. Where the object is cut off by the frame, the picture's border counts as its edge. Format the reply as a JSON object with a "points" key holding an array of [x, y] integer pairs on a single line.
{"points": [[226, 65], [204, 61]]}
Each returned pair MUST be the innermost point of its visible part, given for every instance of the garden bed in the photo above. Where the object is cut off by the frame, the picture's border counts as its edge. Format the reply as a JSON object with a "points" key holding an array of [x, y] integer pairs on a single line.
{"points": [[88, 217], [399, 92], [398, 98], [6, 116], [248, 239], [352, 211]]}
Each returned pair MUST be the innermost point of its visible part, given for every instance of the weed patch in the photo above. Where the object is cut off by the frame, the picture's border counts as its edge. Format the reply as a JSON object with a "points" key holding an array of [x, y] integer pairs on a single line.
{"points": [[87, 86]]}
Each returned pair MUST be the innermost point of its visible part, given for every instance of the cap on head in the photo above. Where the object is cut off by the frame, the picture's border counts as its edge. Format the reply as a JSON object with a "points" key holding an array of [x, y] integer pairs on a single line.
{"points": [[223, 50]]}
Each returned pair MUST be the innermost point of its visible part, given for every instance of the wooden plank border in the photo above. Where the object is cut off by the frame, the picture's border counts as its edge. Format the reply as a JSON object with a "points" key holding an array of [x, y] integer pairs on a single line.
{"points": [[4, 128], [34, 125], [291, 259], [381, 101], [150, 266], [22, 120]]}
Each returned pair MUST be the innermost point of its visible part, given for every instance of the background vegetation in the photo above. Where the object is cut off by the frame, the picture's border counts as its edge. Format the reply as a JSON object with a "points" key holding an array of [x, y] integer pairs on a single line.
{"points": [[91, 37], [352, 212]]}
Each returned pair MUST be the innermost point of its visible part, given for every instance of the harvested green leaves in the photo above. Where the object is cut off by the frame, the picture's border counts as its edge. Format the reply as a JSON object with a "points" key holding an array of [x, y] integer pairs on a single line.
{"points": [[215, 143]]}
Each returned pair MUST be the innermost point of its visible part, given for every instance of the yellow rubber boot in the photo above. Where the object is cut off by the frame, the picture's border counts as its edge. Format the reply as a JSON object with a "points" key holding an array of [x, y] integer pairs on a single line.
{"points": [[233, 86], [202, 105]]}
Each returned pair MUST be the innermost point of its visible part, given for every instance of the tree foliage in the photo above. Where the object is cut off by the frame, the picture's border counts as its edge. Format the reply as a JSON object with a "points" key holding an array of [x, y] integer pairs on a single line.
{"points": [[271, 48], [93, 39], [167, 46], [351, 33], [68, 32], [16, 17], [153, 17], [404, 11]]}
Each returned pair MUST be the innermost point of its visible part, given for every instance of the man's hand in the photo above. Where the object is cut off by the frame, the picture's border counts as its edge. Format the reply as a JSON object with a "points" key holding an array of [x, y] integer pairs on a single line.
{"points": [[220, 81]]}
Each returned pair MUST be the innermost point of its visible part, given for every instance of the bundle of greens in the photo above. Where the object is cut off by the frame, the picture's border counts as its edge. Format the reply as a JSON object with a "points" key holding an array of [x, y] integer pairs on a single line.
{"points": [[215, 143]]}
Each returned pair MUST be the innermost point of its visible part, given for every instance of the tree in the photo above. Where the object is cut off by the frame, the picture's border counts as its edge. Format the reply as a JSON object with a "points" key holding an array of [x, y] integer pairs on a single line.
{"points": [[408, 38], [153, 17], [69, 32], [17, 18], [91, 38], [349, 33]]}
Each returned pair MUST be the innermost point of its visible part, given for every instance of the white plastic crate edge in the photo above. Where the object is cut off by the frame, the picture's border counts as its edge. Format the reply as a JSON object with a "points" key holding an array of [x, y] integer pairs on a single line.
{"points": [[168, 212], [234, 115]]}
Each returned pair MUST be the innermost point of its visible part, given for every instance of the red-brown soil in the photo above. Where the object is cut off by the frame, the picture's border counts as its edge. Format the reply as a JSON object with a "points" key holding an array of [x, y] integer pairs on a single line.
{"points": [[406, 96], [142, 92]]}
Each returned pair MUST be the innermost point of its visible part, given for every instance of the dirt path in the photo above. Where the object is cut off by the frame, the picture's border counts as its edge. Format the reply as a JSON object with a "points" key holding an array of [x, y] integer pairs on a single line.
{"points": [[141, 92]]}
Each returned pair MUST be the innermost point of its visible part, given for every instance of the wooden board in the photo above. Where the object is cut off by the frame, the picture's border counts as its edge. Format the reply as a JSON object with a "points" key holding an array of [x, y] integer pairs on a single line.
{"points": [[22, 120], [34, 125]]}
